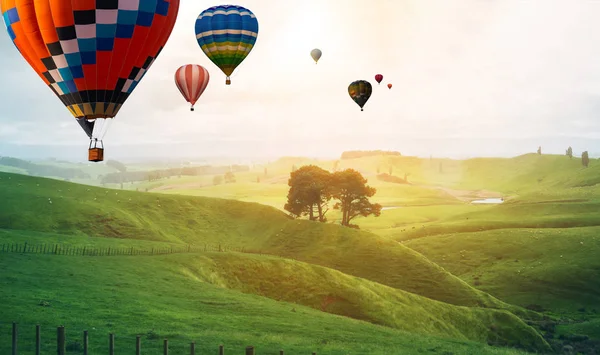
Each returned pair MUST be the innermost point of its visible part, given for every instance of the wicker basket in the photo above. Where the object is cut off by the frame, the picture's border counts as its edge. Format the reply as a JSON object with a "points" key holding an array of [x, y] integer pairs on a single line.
{"points": [[96, 154]]}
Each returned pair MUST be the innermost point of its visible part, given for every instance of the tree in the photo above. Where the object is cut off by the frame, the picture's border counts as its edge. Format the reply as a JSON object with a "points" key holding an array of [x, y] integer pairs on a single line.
{"points": [[229, 177], [336, 165], [378, 170], [585, 159], [539, 151], [217, 180], [310, 189], [294, 168], [350, 188], [118, 166], [265, 171], [570, 152], [390, 170]]}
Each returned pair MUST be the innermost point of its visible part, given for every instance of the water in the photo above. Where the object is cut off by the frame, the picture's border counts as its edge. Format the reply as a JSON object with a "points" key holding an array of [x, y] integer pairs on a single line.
{"points": [[489, 201]]}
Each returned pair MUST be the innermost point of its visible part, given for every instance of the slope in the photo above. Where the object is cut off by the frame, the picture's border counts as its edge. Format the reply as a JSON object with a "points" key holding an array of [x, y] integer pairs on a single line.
{"points": [[151, 296], [89, 211]]}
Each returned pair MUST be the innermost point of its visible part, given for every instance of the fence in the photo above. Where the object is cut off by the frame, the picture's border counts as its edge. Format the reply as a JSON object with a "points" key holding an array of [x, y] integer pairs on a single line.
{"points": [[57, 249], [84, 346]]}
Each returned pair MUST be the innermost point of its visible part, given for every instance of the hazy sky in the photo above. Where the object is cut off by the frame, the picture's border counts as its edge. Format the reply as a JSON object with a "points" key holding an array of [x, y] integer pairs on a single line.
{"points": [[465, 73]]}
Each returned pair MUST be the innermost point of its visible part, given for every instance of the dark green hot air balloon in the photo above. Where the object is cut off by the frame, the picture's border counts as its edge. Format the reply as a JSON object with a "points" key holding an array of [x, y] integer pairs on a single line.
{"points": [[360, 91]]}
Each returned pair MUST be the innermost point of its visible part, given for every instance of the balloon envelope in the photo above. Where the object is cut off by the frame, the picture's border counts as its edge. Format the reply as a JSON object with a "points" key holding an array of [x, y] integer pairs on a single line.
{"points": [[378, 78], [360, 92], [389, 86], [316, 54], [92, 54], [191, 80], [226, 34]]}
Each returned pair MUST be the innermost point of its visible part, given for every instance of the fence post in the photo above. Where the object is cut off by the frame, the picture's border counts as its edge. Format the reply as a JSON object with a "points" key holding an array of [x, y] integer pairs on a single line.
{"points": [[280, 352], [85, 342], [166, 347], [15, 331], [138, 345], [131, 251], [38, 339], [111, 344], [249, 350], [60, 341], [25, 248], [152, 252], [193, 348], [108, 251], [221, 350]]}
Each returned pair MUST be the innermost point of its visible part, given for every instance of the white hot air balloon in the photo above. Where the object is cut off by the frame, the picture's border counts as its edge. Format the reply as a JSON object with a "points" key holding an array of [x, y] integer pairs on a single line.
{"points": [[316, 54]]}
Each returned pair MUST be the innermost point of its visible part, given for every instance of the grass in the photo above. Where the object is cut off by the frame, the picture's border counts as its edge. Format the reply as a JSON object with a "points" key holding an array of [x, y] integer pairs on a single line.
{"points": [[156, 298], [89, 211], [551, 268], [458, 256]]}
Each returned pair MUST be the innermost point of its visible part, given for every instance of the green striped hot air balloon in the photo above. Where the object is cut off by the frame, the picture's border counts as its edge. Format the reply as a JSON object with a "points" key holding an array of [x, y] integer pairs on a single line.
{"points": [[226, 34]]}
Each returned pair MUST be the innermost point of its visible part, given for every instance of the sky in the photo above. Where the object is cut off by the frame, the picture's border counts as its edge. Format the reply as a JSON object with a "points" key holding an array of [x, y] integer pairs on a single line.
{"points": [[470, 78]]}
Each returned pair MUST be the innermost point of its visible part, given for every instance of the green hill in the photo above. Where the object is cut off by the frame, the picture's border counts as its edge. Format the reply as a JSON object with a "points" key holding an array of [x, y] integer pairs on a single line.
{"points": [[155, 298], [44, 205]]}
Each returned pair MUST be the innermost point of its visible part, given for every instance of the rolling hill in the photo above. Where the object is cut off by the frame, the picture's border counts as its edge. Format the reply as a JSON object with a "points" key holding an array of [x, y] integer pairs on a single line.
{"points": [[375, 265]]}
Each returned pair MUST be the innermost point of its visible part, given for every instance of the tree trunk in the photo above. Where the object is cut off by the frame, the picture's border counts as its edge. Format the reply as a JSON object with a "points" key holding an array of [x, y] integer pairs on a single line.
{"points": [[320, 212], [310, 213]]}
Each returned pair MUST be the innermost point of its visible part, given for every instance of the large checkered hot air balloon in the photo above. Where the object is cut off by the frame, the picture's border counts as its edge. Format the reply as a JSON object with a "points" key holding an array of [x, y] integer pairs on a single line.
{"points": [[91, 53], [226, 34]]}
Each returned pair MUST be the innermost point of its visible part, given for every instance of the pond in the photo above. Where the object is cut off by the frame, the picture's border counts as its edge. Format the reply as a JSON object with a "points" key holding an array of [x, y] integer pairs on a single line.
{"points": [[488, 201]]}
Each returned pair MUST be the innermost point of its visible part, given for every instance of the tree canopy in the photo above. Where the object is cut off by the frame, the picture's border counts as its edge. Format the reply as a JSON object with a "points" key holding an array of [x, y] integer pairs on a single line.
{"points": [[311, 189]]}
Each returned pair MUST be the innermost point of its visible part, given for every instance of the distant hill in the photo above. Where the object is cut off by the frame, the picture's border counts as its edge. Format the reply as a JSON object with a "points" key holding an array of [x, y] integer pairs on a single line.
{"points": [[45, 170], [353, 154]]}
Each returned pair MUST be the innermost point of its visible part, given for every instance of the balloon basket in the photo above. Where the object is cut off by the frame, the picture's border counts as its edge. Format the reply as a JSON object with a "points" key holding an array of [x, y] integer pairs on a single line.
{"points": [[227, 81], [96, 154]]}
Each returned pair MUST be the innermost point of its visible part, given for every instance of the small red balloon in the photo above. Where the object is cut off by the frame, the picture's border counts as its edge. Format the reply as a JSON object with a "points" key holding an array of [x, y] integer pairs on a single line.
{"points": [[389, 86], [378, 78]]}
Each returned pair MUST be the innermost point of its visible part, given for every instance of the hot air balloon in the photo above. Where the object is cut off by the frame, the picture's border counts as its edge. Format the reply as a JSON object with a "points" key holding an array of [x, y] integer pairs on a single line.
{"points": [[378, 78], [191, 80], [226, 34], [360, 91], [316, 54], [389, 86], [92, 54]]}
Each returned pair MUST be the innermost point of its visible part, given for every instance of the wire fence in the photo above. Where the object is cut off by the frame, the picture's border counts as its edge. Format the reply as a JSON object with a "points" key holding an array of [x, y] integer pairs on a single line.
{"points": [[59, 249], [16, 339]]}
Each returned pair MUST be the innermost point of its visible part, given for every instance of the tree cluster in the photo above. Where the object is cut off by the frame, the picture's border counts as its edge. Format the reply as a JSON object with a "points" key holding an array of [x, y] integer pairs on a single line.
{"points": [[152, 175], [312, 188], [353, 154]]}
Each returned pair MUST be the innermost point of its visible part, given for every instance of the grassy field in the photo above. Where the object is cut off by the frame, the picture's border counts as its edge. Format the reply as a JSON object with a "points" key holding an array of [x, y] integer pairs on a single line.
{"points": [[432, 267], [358, 285]]}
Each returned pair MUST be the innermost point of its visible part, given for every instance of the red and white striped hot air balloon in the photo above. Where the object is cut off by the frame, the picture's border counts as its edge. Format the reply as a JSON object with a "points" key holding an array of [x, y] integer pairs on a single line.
{"points": [[191, 80]]}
